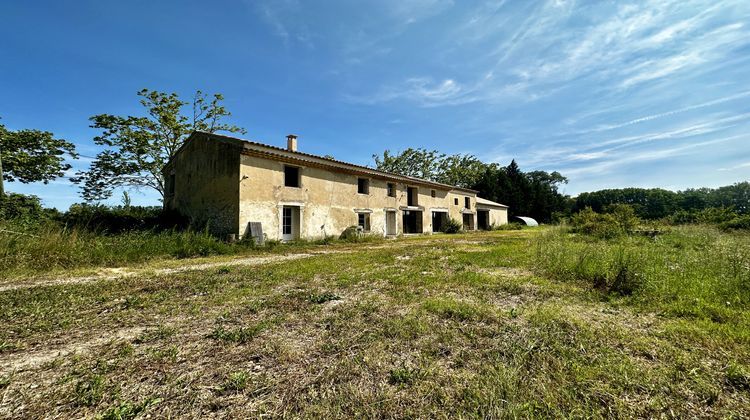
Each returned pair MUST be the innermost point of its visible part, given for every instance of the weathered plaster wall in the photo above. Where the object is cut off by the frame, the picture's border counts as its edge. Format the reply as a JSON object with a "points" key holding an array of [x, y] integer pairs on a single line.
{"points": [[206, 184], [498, 216], [328, 200], [457, 210]]}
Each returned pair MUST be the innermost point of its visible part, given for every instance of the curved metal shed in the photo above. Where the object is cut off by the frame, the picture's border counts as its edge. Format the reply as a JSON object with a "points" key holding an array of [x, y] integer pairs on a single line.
{"points": [[528, 221]]}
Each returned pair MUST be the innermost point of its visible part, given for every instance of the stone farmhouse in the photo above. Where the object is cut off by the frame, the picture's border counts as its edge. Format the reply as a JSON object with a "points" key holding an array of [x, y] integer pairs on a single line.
{"points": [[228, 184]]}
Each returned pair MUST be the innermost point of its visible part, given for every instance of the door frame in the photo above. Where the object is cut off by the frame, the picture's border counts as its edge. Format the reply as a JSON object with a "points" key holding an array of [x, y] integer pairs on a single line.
{"points": [[391, 214], [294, 219]]}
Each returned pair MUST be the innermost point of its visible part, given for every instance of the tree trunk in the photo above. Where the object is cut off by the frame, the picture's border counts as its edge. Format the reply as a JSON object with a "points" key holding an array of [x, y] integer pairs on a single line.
{"points": [[2, 190]]}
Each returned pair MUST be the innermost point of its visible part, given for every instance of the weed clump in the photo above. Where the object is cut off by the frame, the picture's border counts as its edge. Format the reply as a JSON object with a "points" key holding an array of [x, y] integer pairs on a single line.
{"points": [[4, 381], [239, 335], [322, 297], [403, 375], [89, 391], [738, 376], [234, 383]]}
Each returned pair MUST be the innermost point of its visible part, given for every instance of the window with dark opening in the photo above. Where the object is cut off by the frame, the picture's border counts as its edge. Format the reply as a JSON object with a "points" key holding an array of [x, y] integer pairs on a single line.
{"points": [[363, 221], [411, 198], [455, 201], [467, 202], [291, 176], [170, 184], [363, 185], [432, 193], [391, 189]]}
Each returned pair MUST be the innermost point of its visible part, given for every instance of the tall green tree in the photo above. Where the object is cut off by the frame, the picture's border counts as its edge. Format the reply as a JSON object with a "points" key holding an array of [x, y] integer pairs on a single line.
{"points": [[138, 147], [420, 163], [534, 194], [32, 156], [459, 170]]}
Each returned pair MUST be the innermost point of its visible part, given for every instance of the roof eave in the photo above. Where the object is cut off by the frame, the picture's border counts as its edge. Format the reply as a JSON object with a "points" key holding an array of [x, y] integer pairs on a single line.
{"points": [[248, 144]]}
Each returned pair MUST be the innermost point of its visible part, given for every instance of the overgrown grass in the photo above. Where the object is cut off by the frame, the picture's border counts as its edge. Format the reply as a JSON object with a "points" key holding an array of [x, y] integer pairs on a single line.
{"points": [[51, 247], [48, 247], [464, 326], [694, 271]]}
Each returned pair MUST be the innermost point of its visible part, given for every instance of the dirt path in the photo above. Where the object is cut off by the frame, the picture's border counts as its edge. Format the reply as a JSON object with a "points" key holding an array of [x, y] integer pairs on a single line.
{"points": [[124, 272], [118, 273]]}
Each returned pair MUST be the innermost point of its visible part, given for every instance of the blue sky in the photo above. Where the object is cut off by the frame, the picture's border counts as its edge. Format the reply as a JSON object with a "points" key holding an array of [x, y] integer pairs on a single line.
{"points": [[609, 93]]}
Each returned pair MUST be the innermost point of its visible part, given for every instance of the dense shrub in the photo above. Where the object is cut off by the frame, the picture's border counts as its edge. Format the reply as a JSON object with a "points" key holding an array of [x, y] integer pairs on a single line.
{"points": [[716, 215], [724, 217], [451, 226], [509, 226], [619, 219], [21, 208], [738, 223], [118, 219], [682, 217]]}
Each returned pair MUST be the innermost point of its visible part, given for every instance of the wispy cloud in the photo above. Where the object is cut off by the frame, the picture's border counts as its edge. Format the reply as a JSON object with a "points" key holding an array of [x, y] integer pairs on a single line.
{"points": [[283, 17], [735, 167], [628, 46], [718, 101], [606, 166]]}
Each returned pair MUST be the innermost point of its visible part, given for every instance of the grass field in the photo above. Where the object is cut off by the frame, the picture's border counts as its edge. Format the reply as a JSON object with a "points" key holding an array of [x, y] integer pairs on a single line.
{"points": [[500, 324]]}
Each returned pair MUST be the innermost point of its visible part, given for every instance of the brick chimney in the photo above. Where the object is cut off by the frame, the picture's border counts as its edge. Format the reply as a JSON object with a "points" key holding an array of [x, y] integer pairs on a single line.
{"points": [[291, 143]]}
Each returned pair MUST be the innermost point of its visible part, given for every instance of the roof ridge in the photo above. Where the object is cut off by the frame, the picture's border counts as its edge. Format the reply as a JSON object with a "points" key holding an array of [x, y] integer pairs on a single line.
{"points": [[341, 162]]}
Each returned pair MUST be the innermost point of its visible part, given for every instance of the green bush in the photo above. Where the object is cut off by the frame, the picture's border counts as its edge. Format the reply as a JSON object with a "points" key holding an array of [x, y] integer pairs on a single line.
{"points": [[738, 223], [22, 209], [509, 226], [589, 222], [716, 215], [682, 217], [118, 219], [619, 220], [451, 226]]}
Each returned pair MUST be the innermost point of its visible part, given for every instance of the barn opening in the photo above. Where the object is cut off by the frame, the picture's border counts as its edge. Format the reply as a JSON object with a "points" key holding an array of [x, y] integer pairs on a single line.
{"points": [[439, 220], [483, 219], [412, 221], [468, 221]]}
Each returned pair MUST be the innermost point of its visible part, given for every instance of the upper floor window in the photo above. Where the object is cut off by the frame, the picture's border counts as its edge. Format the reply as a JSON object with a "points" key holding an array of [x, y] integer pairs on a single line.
{"points": [[467, 202], [170, 184], [412, 194], [363, 185], [432, 193], [291, 176], [455, 201], [391, 189]]}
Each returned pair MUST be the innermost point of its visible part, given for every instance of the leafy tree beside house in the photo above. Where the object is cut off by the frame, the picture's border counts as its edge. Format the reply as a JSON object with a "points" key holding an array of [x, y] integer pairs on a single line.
{"points": [[32, 156], [138, 147], [532, 194]]}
